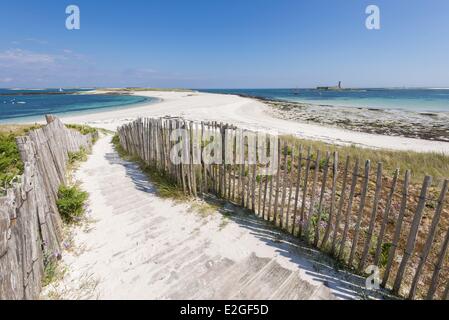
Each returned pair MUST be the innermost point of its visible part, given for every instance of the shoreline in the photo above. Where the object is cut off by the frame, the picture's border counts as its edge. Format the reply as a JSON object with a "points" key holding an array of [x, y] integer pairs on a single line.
{"points": [[247, 113], [432, 126], [79, 112]]}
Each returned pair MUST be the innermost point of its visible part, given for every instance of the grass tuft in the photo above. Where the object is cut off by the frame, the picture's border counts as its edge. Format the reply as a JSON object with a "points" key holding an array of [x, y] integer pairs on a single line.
{"points": [[420, 163], [11, 164], [79, 156], [71, 200], [84, 130]]}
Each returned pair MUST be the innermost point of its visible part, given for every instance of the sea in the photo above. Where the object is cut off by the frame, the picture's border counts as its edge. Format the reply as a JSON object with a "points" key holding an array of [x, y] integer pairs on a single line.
{"points": [[415, 100], [18, 105]]}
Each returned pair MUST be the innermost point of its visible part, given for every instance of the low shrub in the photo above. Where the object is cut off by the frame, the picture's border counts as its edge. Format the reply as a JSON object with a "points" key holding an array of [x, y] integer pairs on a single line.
{"points": [[77, 156], [70, 203], [83, 129], [10, 163]]}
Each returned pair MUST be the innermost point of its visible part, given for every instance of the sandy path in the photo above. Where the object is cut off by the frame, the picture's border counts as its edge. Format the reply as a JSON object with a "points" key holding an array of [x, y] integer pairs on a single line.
{"points": [[138, 246], [249, 113]]}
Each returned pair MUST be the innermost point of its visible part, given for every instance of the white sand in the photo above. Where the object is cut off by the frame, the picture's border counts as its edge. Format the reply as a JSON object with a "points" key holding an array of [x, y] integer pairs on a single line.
{"points": [[249, 113]]}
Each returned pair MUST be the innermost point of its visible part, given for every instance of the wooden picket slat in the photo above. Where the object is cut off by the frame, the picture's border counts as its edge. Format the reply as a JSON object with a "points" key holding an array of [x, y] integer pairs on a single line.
{"points": [[429, 241], [410, 246], [278, 175], [290, 187], [397, 233], [332, 204], [320, 204], [298, 187], [360, 212], [349, 209], [313, 195], [265, 196], [372, 222], [340, 206], [284, 184], [438, 266], [304, 191], [385, 218]]}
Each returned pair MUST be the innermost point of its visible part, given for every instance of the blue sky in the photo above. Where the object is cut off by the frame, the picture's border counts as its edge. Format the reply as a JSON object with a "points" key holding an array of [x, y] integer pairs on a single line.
{"points": [[224, 43]]}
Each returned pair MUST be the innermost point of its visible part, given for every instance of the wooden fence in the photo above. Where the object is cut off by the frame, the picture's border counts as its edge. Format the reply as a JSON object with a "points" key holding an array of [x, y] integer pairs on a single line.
{"points": [[345, 207], [30, 225]]}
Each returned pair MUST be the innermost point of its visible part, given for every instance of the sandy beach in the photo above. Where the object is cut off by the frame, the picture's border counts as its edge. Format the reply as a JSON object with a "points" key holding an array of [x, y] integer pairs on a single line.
{"points": [[249, 113]]}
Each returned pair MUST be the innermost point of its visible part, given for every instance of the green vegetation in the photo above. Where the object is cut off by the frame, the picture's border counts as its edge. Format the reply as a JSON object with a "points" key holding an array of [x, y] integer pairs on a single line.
{"points": [[71, 200], [84, 129], [77, 156], [50, 270], [420, 164], [384, 254], [53, 270], [10, 163]]}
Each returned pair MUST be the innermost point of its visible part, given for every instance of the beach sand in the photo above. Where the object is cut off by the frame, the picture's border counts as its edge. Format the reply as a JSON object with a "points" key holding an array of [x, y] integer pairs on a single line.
{"points": [[248, 113]]}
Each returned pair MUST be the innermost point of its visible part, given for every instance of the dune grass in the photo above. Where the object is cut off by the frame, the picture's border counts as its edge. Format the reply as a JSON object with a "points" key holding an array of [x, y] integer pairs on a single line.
{"points": [[71, 200], [10, 163], [420, 164], [84, 129]]}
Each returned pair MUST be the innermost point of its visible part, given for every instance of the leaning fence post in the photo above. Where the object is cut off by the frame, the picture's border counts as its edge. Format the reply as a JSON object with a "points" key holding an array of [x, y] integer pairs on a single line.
{"points": [[323, 189], [298, 187], [340, 206], [312, 196], [385, 218], [372, 218], [360, 212], [284, 185], [397, 233], [304, 191], [349, 209], [278, 175], [412, 235], [332, 205], [430, 237], [438, 267]]}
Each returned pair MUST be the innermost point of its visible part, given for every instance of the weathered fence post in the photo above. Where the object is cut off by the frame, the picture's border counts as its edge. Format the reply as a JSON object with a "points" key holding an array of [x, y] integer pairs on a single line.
{"points": [[412, 235]]}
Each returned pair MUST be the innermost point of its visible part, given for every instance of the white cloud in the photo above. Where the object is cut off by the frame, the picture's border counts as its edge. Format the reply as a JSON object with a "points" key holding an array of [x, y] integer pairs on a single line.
{"points": [[6, 80], [19, 56]]}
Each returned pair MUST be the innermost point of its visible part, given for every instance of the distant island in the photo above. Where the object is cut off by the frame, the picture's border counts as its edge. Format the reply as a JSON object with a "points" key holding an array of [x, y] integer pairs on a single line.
{"points": [[338, 87]]}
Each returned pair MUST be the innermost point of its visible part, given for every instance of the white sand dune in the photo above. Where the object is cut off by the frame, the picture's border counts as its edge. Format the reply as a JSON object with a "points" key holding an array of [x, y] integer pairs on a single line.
{"points": [[248, 113]]}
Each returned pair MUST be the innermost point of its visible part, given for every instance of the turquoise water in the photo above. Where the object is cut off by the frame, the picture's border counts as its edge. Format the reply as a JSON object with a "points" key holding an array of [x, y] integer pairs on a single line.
{"points": [[417, 100], [15, 106]]}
